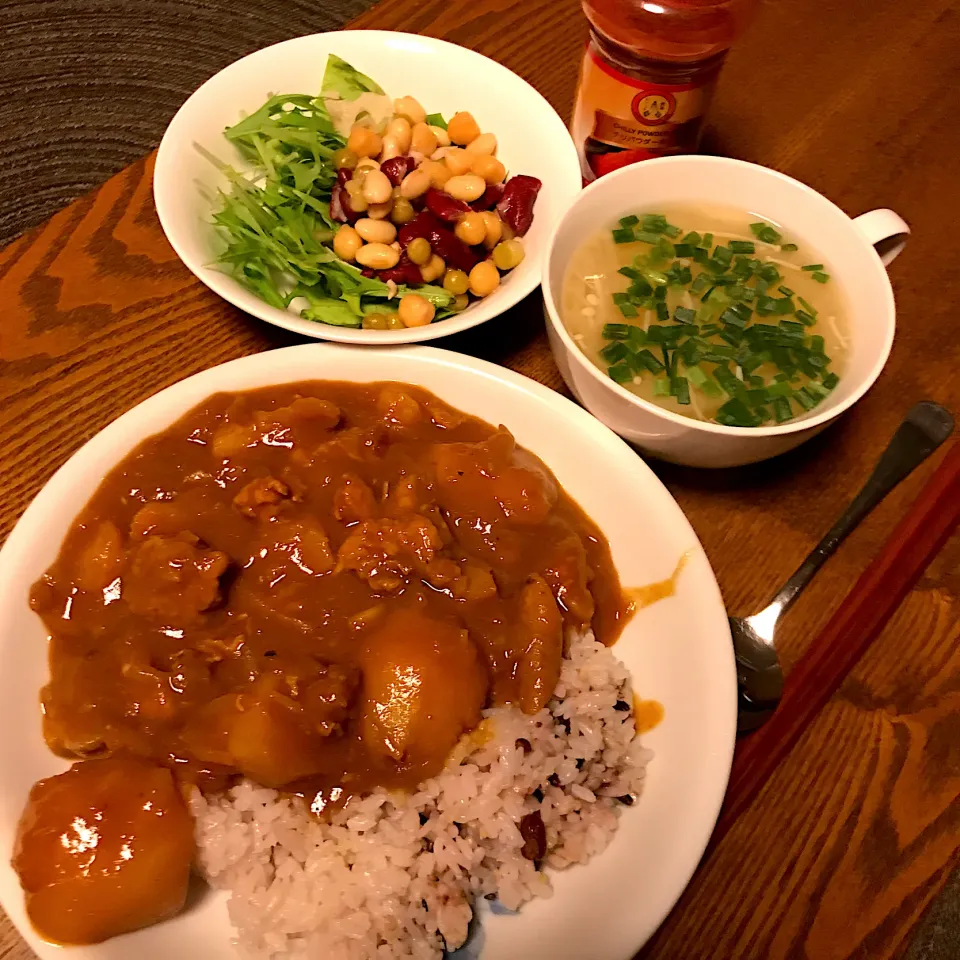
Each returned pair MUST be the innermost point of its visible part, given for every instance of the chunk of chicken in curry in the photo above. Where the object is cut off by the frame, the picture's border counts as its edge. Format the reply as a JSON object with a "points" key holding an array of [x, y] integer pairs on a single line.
{"points": [[318, 586]]}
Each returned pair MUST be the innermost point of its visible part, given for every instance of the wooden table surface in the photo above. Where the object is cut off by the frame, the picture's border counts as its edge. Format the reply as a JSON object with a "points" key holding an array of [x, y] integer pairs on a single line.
{"points": [[857, 832]]}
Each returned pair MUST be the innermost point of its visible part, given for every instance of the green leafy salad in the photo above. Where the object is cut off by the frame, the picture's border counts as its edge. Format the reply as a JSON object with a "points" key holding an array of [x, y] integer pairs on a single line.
{"points": [[276, 218]]}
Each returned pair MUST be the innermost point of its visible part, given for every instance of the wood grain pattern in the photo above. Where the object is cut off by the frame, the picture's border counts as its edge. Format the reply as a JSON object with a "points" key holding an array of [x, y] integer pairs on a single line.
{"points": [[849, 841]]}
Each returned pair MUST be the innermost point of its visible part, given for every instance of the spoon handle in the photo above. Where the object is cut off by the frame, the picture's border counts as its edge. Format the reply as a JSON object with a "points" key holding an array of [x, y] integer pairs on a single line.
{"points": [[924, 428]]}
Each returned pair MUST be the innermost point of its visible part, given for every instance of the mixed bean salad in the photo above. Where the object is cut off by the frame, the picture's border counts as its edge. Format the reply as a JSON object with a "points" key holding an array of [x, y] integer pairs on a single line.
{"points": [[362, 211]]}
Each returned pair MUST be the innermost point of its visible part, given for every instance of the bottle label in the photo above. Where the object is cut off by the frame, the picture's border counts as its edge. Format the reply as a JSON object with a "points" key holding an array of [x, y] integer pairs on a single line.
{"points": [[619, 119]]}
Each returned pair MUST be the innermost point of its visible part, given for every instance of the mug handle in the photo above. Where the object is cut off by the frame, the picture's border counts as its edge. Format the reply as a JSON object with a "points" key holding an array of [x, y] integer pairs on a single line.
{"points": [[883, 229]]}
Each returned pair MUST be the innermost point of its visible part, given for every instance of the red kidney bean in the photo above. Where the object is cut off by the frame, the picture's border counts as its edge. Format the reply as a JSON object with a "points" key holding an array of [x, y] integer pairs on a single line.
{"points": [[396, 169], [534, 836], [445, 207], [516, 204], [445, 245], [344, 176], [406, 271], [339, 204], [368, 273], [491, 197]]}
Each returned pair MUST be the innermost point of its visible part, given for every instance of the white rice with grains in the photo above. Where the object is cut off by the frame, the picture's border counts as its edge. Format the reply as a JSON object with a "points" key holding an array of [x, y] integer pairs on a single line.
{"points": [[395, 875]]}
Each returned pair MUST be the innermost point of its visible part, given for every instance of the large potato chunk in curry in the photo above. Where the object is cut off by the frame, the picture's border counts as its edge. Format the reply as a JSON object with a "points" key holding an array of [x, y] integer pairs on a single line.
{"points": [[423, 686], [103, 849]]}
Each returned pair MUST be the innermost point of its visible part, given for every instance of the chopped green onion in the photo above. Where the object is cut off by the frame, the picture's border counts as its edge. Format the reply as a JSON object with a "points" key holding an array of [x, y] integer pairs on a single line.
{"points": [[630, 221], [723, 254], [683, 249], [663, 312], [706, 296], [789, 247], [742, 246], [693, 238], [781, 409], [735, 413], [696, 375], [645, 236], [805, 399], [661, 387], [680, 388], [614, 352], [781, 388], [623, 235], [616, 331], [671, 231], [708, 240], [646, 359], [620, 373], [628, 310], [806, 306], [786, 291], [821, 277], [830, 381], [805, 318], [684, 315], [812, 266], [630, 272], [815, 343], [654, 221], [711, 389]]}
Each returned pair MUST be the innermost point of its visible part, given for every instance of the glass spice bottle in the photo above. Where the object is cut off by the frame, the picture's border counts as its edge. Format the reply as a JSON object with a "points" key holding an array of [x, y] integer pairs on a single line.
{"points": [[648, 73]]}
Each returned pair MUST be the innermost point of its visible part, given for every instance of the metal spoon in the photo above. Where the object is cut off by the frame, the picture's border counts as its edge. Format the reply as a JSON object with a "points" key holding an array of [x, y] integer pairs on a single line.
{"points": [[759, 677]]}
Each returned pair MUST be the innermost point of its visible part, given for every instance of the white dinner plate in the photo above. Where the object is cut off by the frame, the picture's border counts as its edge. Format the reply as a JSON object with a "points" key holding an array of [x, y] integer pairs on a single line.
{"points": [[678, 652]]}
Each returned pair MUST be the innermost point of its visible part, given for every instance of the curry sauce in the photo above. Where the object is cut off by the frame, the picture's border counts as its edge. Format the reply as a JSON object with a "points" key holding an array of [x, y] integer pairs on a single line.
{"points": [[319, 586]]}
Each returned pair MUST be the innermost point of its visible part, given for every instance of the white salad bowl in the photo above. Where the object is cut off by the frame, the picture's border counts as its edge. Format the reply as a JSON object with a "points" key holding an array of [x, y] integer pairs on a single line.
{"points": [[846, 245], [445, 78], [677, 650]]}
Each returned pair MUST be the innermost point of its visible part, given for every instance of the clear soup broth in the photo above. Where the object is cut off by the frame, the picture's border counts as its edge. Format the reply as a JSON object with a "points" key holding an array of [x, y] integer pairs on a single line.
{"points": [[711, 313]]}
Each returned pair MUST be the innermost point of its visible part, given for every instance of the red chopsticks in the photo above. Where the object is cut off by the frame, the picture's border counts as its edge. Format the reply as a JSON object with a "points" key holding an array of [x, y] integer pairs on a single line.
{"points": [[931, 519]]}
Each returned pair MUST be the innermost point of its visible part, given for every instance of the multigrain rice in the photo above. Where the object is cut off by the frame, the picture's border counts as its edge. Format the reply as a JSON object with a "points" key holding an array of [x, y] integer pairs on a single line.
{"points": [[395, 875]]}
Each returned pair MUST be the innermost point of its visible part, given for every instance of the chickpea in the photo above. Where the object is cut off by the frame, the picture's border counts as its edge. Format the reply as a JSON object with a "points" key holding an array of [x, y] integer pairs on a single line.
{"points": [[490, 168], [375, 321], [484, 279], [486, 143], [508, 254], [364, 166], [494, 229], [416, 311], [469, 187], [346, 243], [458, 161], [419, 251], [455, 282], [377, 256], [415, 184], [470, 228], [423, 140], [376, 231], [394, 322], [363, 141], [376, 187], [400, 129], [380, 211], [355, 195], [345, 159], [463, 129], [402, 211], [439, 173], [391, 148], [410, 110], [433, 269], [508, 232], [460, 302], [443, 138]]}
